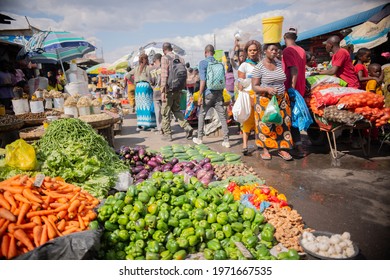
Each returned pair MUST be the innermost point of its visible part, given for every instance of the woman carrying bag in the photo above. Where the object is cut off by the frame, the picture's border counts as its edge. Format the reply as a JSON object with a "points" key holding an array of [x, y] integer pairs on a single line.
{"points": [[268, 80]]}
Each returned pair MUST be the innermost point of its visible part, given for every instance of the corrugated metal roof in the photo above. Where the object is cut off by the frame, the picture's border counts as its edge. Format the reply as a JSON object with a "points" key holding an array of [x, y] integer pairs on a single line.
{"points": [[340, 24]]}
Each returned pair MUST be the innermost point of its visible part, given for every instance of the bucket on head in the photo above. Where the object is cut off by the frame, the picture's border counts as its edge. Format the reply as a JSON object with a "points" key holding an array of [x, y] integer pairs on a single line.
{"points": [[37, 107], [272, 29], [20, 106]]}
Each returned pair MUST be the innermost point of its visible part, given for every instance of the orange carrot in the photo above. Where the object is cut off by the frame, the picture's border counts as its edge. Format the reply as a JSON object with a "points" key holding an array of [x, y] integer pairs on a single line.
{"points": [[74, 205], [70, 230], [81, 207], [6, 214], [37, 220], [10, 198], [5, 245], [74, 224], [12, 189], [71, 215], [37, 232], [39, 213], [23, 179], [12, 227], [12, 250], [52, 231], [62, 214], [23, 212], [81, 222], [21, 198], [9, 180], [4, 227], [55, 205], [61, 225], [62, 208], [27, 193], [4, 203], [44, 237], [22, 237], [2, 221], [62, 200], [52, 218]]}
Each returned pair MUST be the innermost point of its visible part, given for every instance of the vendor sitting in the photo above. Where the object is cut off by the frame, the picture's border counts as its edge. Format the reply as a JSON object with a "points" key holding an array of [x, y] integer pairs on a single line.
{"points": [[54, 84], [342, 65]]}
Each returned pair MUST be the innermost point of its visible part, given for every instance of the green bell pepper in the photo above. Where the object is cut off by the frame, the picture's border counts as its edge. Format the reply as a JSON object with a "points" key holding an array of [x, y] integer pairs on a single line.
{"points": [[153, 246], [123, 219], [250, 241], [200, 232], [105, 212], [187, 232], [223, 207], [132, 191], [143, 197], [212, 217], [118, 206], [209, 234], [127, 209], [193, 240], [237, 227], [172, 246], [248, 214], [208, 254], [220, 255], [173, 222], [222, 218], [138, 206], [159, 236], [140, 243], [227, 230], [93, 225], [198, 214], [130, 225], [233, 217], [181, 214], [143, 234], [110, 226], [200, 203], [182, 242], [123, 235], [180, 200], [219, 235], [161, 225], [234, 206], [180, 255], [185, 223], [152, 256], [110, 200], [215, 227], [204, 224], [259, 218], [153, 208], [214, 244], [134, 215], [166, 255], [120, 195], [150, 220], [228, 198]]}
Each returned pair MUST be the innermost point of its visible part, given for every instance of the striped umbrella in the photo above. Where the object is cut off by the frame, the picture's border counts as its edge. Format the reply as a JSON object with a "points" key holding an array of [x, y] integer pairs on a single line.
{"points": [[55, 46]]}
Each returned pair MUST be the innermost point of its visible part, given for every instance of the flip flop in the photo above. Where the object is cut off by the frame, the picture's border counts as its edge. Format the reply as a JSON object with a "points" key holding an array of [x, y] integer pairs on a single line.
{"points": [[285, 157], [266, 157]]}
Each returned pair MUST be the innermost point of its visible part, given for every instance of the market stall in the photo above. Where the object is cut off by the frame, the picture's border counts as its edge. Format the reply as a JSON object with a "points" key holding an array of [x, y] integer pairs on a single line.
{"points": [[336, 107]]}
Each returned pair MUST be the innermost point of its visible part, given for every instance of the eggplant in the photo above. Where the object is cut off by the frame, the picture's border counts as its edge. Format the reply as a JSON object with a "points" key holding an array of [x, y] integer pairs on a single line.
{"points": [[152, 158], [174, 161], [137, 148], [145, 159], [141, 153], [167, 167], [160, 159], [139, 181], [139, 163], [207, 160], [187, 169], [189, 165], [136, 158], [202, 162], [127, 156], [152, 163], [196, 168], [208, 166], [137, 169], [192, 174], [157, 168], [201, 173], [142, 175], [209, 175], [205, 181], [176, 169]]}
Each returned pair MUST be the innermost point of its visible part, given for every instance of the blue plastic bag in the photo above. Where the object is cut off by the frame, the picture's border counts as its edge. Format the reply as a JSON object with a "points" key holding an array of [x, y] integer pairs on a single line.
{"points": [[300, 114]]}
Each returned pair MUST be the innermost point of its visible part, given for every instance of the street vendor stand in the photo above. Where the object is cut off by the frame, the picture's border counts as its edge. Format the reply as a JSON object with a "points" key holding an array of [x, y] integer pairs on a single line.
{"points": [[331, 128]]}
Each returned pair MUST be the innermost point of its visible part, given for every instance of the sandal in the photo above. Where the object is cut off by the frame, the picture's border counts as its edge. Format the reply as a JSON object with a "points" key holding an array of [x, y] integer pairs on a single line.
{"points": [[286, 156], [245, 151], [266, 156]]}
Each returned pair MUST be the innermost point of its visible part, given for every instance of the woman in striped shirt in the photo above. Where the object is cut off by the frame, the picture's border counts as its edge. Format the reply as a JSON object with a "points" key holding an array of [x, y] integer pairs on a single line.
{"points": [[267, 80]]}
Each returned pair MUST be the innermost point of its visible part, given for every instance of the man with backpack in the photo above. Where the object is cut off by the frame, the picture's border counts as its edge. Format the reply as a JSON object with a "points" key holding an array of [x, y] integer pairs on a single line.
{"points": [[173, 81], [212, 84]]}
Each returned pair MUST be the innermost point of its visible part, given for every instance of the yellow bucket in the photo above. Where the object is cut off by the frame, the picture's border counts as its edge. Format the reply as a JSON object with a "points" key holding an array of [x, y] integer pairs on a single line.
{"points": [[272, 29]]}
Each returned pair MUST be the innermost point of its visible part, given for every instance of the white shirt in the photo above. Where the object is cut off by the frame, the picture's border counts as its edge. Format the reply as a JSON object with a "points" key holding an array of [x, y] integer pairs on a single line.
{"points": [[247, 68]]}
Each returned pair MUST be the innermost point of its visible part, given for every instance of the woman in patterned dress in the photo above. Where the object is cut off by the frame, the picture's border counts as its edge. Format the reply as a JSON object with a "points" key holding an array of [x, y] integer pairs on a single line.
{"points": [[144, 95], [268, 80]]}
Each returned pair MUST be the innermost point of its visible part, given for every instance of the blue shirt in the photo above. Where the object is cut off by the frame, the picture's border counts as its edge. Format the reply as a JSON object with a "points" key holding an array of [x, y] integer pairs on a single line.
{"points": [[203, 71]]}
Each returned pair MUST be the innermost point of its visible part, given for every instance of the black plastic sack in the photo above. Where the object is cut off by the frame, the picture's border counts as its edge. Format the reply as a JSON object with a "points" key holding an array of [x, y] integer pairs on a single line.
{"points": [[82, 245]]}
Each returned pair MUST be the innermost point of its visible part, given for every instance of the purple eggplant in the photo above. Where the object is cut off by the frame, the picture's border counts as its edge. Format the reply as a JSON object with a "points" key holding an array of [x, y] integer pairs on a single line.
{"points": [[189, 165], [208, 166], [145, 159], [160, 159], [137, 169], [207, 160], [205, 181], [167, 167], [176, 169], [152, 163], [141, 153], [153, 158], [192, 174], [136, 158], [139, 163], [142, 175], [139, 181], [157, 168], [201, 173], [202, 162], [174, 161]]}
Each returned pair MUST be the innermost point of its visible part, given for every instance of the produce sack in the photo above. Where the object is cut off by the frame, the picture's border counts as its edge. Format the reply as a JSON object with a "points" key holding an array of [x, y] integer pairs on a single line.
{"points": [[21, 155], [272, 112], [317, 80], [300, 114], [82, 245], [242, 107]]}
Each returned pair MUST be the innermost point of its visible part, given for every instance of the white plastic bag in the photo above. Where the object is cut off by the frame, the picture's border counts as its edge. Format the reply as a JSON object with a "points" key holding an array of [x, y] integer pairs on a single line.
{"points": [[242, 107]]}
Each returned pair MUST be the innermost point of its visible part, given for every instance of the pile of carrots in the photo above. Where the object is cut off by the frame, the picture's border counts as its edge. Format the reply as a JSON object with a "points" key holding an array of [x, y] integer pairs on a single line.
{"points": [[30, 216], [361, 100]]}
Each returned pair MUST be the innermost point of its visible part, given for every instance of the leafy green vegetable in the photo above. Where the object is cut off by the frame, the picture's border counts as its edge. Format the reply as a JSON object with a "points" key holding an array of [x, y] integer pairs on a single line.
{"points": [[73, 150]]}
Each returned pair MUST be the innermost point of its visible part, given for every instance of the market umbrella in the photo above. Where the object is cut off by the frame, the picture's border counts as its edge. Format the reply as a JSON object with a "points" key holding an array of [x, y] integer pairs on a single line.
{"points": [[54, 47], [156, 47], [121, 63], [94, 70]]}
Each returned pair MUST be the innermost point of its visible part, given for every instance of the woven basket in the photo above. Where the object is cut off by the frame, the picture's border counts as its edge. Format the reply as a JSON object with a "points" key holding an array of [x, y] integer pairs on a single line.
{"points": [[32, 133], [12, 126]]}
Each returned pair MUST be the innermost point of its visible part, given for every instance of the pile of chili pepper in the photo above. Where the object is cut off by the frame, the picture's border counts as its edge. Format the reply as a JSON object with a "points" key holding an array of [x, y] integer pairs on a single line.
{"points": [[257, 194]]}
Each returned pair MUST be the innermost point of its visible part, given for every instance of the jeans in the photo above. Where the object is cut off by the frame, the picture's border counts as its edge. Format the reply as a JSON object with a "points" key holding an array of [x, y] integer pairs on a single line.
{"points": [[213, 100]]}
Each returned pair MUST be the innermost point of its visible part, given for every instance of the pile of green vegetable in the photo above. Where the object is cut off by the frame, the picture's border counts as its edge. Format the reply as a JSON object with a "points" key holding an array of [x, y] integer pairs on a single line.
{"points": [[165, 218], [198, 152], [73, 150]]}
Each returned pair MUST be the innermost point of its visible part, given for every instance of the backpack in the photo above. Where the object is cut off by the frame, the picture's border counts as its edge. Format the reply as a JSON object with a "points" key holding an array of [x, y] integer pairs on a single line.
{"points": [[177, 77], [215, 76]]}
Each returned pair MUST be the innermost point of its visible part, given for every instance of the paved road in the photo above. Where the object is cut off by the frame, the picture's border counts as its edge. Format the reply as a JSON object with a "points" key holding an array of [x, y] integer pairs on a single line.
{"points": [[351, 194]]}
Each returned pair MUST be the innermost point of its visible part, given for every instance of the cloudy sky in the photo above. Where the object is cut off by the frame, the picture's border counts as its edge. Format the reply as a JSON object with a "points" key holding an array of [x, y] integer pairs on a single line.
{"points": [[117, 28]]}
